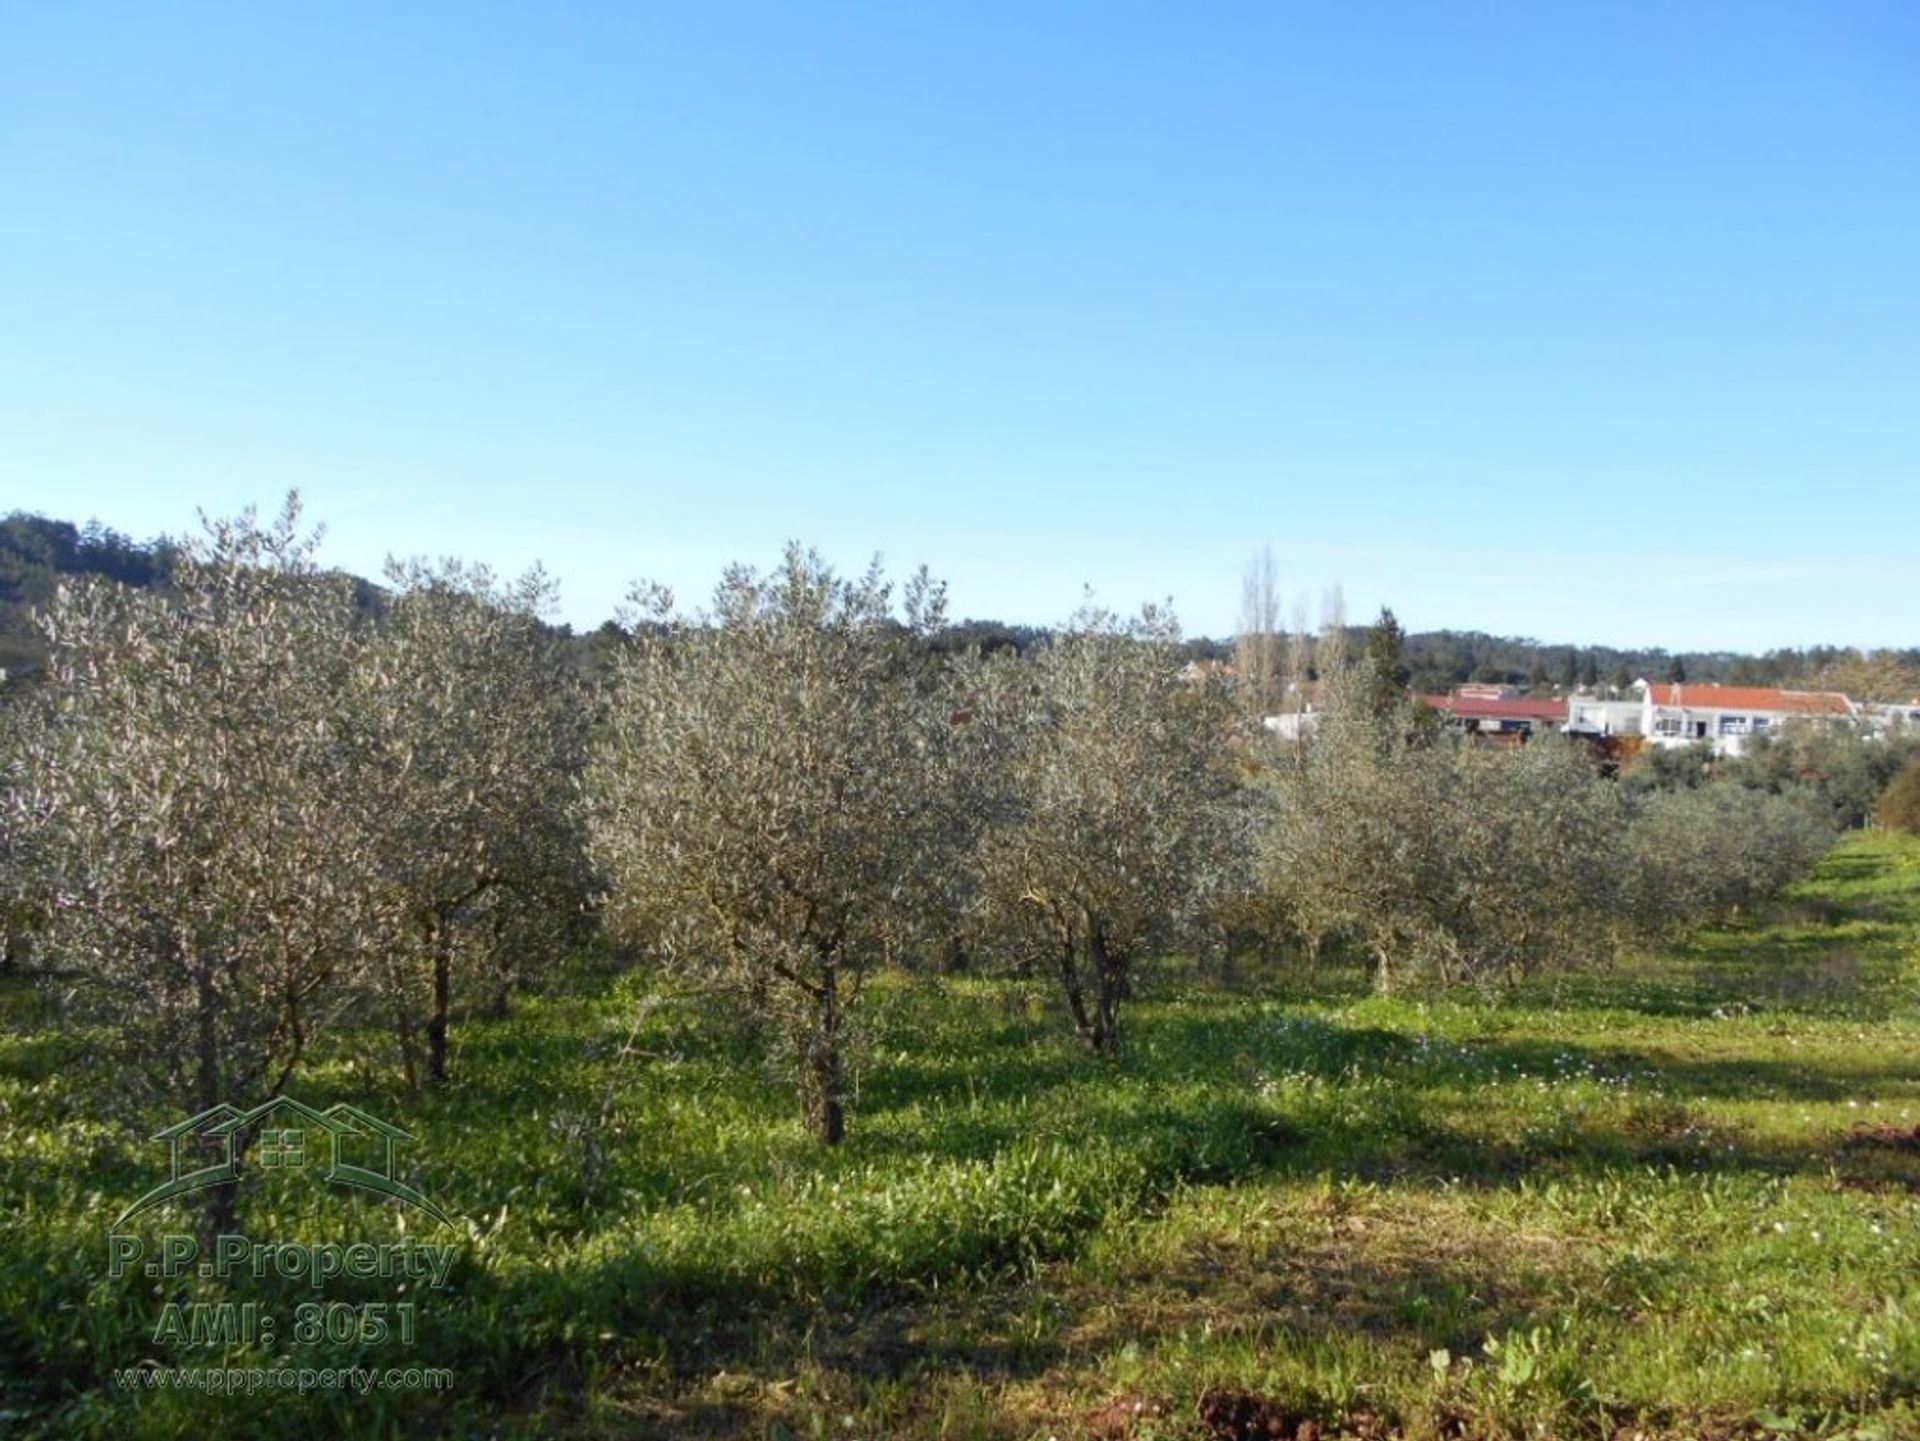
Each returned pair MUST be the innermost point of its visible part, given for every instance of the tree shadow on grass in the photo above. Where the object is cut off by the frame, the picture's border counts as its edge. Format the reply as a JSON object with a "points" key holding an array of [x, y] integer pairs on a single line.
{"points": [[1850, 973], [1357, 1267], [1378, 1267], [1267, 1045]]}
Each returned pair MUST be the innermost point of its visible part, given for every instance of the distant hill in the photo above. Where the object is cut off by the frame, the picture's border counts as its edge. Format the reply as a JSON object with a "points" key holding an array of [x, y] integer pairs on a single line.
{"points": [[1440, 660], [36, 552]]}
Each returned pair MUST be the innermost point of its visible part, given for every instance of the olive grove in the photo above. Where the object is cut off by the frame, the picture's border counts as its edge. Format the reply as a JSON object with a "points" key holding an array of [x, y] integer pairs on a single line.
{"points": [[266, 803], [1441, 860], [250, 809]]}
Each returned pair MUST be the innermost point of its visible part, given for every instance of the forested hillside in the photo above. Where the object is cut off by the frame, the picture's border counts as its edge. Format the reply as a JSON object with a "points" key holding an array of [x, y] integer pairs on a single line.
{"points": [[36, 552]]}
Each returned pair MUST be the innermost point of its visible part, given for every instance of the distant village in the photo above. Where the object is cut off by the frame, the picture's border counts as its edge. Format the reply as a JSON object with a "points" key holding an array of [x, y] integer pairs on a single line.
{"points": [[1725, 718]]}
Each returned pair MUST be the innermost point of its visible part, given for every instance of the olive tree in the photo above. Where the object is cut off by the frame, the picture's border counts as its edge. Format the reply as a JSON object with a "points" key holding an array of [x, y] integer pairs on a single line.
{"points": [[1701, 855], [1533, 882], [1110, 827], [478, 737], [758, 799], [1442, 859], [22, 902], [960, 763], [183, 791], [1354, 841], [1837, 773]]}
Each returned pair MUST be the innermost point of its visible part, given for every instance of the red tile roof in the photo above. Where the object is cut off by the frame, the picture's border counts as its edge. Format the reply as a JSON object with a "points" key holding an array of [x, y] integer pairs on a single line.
{"points": [[1479, 707], [1751, 697]]}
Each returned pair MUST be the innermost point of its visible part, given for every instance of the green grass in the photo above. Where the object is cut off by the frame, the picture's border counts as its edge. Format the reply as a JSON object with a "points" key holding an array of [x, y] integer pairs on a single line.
{"points": [[1651, 1199]]}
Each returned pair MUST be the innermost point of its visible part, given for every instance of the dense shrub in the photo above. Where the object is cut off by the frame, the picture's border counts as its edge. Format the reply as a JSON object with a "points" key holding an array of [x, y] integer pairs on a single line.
{"points": [[1837, 774], [1899, 808], [1695, 856]]}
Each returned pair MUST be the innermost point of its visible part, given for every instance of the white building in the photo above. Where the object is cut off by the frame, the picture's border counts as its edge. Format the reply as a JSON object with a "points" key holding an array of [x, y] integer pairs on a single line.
{"points": [[1882, 719], [1592, 715], [1293, 725], [1727, 717]]}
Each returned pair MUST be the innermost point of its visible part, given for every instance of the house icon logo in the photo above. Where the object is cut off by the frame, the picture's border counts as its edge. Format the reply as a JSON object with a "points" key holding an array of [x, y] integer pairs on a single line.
{"points": [[343, 1143]]}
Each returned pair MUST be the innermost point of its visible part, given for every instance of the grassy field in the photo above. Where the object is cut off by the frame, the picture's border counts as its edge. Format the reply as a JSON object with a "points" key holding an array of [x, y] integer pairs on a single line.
{"points": [[1679, 1199]]}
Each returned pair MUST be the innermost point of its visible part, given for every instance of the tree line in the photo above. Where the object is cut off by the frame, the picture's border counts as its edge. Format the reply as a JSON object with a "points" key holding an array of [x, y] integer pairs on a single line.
{"points": [[251, 808], [37, 552]]}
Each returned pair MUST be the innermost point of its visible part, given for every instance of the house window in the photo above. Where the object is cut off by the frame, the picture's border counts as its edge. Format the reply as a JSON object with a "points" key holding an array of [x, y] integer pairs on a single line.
{"points": [[1733, 725], [1762, 723], [1667, 725], [283, 1148]]}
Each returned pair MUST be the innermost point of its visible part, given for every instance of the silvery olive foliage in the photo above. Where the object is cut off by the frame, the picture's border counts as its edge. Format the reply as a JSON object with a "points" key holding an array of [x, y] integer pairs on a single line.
{"points": [[961, 763], [1533, 886], [1456, 863], [1443, 860], [759, 798], [1353, 846], [1109, 829], [1701, 855], [22, 908], [477, 731], [186, 797], [254, 806]]}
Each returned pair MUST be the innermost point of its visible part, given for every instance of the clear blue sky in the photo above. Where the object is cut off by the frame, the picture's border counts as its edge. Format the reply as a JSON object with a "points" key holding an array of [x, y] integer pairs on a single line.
{"points": [[1584, 321]]}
